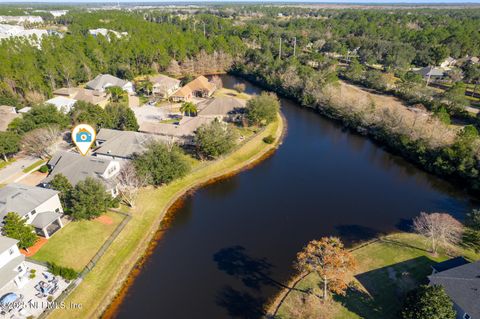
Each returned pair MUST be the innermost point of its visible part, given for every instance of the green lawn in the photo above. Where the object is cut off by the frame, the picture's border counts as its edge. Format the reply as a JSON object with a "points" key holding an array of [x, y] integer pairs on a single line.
{"points": [[386, 270], [5, 164], [34, 165], [76, 243]]}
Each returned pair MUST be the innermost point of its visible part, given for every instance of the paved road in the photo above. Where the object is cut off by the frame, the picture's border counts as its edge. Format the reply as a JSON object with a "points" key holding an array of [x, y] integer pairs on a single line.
{"points": [[15, 170]]}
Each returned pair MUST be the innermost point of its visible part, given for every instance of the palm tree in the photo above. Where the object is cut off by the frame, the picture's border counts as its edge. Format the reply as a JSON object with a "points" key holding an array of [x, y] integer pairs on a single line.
{"points": [[116, 93], [188, 108]]}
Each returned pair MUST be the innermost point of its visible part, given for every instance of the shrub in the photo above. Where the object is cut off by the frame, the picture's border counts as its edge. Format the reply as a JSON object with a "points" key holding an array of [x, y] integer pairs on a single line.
{"points": [[161, 164], [269, 139], [64, 272], [263, 109], [43, 169], [215, 139]]}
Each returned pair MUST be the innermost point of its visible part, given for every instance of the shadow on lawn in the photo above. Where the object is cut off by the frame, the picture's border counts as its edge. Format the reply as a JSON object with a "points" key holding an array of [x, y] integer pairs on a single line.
{"points": [[385, 288]]}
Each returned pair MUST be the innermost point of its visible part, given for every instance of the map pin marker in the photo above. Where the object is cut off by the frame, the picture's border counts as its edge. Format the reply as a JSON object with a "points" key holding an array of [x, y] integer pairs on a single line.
{"points": [[83, 135]]}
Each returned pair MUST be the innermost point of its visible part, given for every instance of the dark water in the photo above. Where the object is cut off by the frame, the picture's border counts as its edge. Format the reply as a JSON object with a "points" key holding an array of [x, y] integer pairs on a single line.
{"points": [[233, 242]]}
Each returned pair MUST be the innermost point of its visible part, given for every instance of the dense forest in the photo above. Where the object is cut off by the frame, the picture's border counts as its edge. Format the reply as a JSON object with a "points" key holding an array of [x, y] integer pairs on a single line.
{"points": [[297, 52]]}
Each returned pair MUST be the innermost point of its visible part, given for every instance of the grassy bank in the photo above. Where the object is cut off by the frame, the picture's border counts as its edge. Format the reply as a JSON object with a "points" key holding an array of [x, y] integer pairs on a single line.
{"points": [[102, 284], [75, 244], [387, 269]]}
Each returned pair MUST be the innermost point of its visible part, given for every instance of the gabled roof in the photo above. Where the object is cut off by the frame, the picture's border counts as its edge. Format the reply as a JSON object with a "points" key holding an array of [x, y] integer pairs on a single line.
{"points": [[22, 199], [102, 81], [9, 271], [220, 106], [6, 243], [123, 143], [462, 284], [450, 263], [199, 84], [431, 71], [79, 94], [164, 81], [62, 102], [76, 167], [44, 219]]}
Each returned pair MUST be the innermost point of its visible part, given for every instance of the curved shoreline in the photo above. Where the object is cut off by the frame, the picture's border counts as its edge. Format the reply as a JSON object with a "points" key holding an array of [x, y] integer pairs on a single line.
{"points": [[113, 293], [175, 203]]}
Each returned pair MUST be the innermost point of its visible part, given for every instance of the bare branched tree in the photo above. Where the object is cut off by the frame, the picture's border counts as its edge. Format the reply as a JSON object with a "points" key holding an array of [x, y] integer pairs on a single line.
{"points": [[41, 142], [129, 183], [439, 228]]}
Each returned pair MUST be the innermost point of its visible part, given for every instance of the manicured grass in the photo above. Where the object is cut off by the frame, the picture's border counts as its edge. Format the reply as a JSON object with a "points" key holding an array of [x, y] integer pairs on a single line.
{"points": [[232, 93], [169, 121], [387, 269], [75, 244], [102, 283], [4, 164], [33, 166]]}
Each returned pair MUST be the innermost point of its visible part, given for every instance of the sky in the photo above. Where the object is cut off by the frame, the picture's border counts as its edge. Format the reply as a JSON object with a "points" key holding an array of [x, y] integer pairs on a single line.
{"points": [[263, 1]]}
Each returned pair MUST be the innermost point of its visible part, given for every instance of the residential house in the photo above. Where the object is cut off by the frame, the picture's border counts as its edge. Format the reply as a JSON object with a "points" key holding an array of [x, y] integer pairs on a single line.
{"points": [[122, 145], [448, 62], [62, 103], [12, 263], [40, 207], [76, 168], [90, 96], [430, 72], [200, 87], [21, 19], [461, 280], [181, 133], [11, 31], [222, 108], [106, 33], [164, 86], [103, 81], [7, 115]]}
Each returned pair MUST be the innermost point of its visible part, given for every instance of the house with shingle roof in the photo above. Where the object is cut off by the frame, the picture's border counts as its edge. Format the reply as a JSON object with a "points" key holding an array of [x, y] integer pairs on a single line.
{"points": [[431, 72], [12, 263], [103, 81], [200, 87], [90, 96], [164, 86], [461, 280], [76, 168], [40, 207], [62, 103], [123, 145], [222, 108]]}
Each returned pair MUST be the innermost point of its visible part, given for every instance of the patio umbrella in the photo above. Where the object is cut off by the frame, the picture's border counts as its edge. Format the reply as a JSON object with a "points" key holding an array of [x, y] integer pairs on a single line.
{"points": [[8, 298]]}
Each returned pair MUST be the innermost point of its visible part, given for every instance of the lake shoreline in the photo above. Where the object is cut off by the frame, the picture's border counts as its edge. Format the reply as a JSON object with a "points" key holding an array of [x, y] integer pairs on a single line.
{"points": [[113, 294]]}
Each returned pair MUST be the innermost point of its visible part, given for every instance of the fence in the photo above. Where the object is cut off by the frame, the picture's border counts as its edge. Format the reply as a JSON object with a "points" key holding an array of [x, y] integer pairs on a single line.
{"points": [[91, 264]]}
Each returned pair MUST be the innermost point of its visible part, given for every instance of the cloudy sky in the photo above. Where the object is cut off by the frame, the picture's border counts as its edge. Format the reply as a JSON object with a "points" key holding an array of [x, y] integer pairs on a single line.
{"points": [[283, 1]]}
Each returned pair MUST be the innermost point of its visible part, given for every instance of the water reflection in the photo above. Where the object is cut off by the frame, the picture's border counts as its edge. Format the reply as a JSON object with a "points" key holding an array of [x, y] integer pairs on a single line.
{"points": [[233, 243]]}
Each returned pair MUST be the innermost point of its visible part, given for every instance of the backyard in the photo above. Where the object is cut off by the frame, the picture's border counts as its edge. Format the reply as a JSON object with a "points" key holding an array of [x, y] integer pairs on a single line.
{"points": [[386, 270], [75, 244]]}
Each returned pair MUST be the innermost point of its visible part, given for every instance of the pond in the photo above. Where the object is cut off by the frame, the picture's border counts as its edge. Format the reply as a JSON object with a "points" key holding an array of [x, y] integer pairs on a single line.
{"points": [[232, 244]]}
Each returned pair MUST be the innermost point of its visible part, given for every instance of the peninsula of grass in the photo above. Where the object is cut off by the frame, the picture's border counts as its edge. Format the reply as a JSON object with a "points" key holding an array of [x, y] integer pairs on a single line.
{"points": [[386, 270], [102, 284]]}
